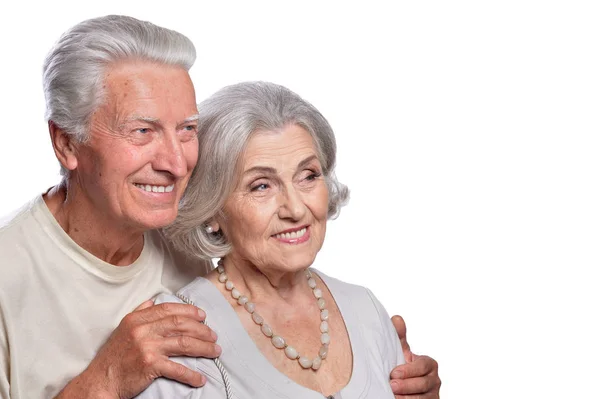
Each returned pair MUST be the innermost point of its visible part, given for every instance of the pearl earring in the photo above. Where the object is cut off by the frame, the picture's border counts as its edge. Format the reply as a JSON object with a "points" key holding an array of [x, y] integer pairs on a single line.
{"points": [[208, 229]]}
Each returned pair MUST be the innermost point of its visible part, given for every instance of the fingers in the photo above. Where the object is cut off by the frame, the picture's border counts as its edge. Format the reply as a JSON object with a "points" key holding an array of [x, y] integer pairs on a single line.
{"points": [[144, 305], [179, 372], [178, 325], [157, 312], [400, 326], [413, 386], [175, 334], [417, 378], [421, 366], [186, 346]]}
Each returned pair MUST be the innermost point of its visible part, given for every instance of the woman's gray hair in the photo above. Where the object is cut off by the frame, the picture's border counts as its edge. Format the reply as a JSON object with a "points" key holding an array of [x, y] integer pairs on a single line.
{"points": [[74, 70], [227, 121]]}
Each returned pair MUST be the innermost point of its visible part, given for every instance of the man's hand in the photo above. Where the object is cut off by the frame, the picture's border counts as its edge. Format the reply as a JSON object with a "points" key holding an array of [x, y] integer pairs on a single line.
{"points": [[418, 378], [137, 352]]}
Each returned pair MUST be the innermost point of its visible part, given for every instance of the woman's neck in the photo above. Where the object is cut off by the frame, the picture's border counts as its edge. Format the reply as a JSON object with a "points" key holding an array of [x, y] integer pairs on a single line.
{"points": [[267, 284]]}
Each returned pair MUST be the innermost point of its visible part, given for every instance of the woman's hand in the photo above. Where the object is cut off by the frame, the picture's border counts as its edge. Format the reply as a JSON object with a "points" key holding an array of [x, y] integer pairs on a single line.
{"points": [[418, 378]]}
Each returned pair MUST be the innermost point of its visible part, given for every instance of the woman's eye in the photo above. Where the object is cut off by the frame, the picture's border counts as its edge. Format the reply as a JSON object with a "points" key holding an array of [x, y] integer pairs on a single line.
{"points": [[312, 176], [260, 187]]}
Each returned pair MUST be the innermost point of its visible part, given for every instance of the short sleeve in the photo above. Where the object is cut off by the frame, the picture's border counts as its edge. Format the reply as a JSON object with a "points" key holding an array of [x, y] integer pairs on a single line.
{"points": [[393, 355]]}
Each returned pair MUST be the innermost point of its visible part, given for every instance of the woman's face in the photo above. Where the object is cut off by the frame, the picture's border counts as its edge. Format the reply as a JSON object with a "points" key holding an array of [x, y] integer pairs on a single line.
{"points": [[275, 219]]}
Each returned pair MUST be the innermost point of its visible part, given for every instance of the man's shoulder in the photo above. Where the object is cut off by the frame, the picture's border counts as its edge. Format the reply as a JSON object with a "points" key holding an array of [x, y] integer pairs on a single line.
{"points": [[16, 245], [16, 225], [179, 268], [15, 219]]}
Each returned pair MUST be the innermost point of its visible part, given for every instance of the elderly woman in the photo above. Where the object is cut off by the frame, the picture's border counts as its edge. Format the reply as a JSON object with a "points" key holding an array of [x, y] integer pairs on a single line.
{"points": [[259, 200]]}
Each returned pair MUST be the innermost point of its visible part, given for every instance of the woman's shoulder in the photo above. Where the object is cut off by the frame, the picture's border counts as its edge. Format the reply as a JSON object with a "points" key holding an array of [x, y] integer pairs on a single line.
{"points": [[338, 287], [360, 299], [200, 292]]}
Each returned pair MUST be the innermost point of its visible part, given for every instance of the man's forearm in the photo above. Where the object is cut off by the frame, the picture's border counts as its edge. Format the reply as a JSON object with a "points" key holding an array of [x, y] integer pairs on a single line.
{"points": [[81, 387]]}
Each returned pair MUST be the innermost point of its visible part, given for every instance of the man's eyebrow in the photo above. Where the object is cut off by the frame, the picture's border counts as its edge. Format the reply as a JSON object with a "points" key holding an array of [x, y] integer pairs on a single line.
{"points": [[193, 118], [139, 118], [156, 121]]}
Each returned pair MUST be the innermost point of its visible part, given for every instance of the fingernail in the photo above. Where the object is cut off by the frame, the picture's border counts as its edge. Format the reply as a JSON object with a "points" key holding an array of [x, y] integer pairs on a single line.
{"points": [[201, 313], [218, 350], [394, 385], [397, 374], [213, 335]]}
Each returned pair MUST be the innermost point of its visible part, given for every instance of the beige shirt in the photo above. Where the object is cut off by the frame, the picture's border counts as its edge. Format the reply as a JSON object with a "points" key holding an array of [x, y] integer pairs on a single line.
{"points": [[59, 303]]}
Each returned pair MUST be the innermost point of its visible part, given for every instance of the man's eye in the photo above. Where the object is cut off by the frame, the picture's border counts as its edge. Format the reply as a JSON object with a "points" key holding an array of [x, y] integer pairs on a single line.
{"points": [[143, 130], [191, 128]]}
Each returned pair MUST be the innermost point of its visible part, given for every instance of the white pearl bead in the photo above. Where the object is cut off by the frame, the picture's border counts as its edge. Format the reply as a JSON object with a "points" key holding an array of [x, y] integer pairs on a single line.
{"points": [[324, 327], [321, 303], [316, 363], [266, 329], [291, 353], [323, 351], [277, 341], [257, 318], [305, 362]]}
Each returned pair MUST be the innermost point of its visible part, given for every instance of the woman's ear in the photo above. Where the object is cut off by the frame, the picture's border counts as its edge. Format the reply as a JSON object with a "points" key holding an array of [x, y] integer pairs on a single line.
{"points": [[212, 227]]}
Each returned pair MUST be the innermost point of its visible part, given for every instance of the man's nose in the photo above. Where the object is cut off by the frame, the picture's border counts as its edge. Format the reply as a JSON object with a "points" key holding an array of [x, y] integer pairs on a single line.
{"points": [[171, 156]]}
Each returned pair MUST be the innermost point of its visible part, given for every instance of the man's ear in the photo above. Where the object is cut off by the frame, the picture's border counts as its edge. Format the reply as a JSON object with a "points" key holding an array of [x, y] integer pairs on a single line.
{"points": [[64, 146]]}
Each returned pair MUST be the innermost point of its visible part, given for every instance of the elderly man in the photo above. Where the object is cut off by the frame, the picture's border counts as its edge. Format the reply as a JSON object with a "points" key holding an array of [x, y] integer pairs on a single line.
{"points": [[79, 259]]}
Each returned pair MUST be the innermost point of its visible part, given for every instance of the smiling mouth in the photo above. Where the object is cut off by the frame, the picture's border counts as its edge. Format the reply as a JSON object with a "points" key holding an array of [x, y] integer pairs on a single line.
{"points": [[293, 235], [155, 189]]}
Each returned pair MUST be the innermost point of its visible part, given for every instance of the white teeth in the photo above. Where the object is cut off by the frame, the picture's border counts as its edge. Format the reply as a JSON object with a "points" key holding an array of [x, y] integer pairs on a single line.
{"points": [[292, 235], [155, 189]]}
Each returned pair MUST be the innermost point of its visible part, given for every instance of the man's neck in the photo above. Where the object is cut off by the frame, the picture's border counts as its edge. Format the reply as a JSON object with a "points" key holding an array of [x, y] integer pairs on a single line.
{"points": [[110, 242]]}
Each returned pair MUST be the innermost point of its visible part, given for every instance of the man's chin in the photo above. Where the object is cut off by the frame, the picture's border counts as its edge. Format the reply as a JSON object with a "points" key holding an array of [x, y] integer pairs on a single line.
{"points": [[156, 220]]}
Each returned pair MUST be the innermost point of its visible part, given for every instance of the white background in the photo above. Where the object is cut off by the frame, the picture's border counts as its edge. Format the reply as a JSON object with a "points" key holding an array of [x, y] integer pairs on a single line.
{"points": [[468, 133]]}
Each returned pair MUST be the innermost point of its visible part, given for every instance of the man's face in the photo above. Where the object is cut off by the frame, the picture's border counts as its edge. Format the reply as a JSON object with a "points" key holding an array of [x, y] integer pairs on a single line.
{"points": [[142, 145]]}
